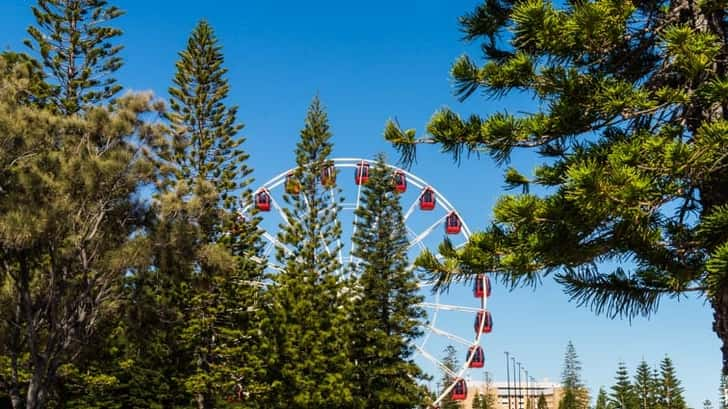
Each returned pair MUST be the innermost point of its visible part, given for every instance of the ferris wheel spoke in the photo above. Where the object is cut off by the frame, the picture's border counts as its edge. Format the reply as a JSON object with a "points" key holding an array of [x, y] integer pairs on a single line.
{"points": [[414, 236], [321, 234], [280, 210], [410, 210], [448, 307], [338, 240], [426, 284], [356, 219], [436, 361], [268, 249], [275, 242], [449, 335], [276, 267], [426, 233], [258, 284]]}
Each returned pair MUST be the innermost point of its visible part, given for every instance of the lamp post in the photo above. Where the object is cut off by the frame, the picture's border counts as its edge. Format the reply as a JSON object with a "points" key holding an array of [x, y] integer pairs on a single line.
{"points": [[528, 391], [508, 381], [513, 361], [520, 388]]}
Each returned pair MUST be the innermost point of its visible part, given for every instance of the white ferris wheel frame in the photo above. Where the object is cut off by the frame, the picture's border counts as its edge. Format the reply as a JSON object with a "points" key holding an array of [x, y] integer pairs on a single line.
{"points": [[441, 201]]}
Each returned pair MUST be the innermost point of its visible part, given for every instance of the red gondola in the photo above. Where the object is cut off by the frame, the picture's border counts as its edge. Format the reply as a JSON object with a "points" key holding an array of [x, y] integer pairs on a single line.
{"points": [[478, 290], [262, 200], [427, 199], [293, 186], [484, 318], [478, 360], [362, 173], [400, 181], [453, 223], [459, 391], [328, 176]]}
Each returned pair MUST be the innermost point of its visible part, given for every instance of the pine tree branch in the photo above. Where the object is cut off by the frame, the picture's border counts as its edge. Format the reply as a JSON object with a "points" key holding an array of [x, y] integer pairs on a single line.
{"points": [[615, 294]]}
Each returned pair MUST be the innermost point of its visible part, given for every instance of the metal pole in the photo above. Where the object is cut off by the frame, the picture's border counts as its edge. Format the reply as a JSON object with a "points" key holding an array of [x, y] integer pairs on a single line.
{"points": [[520, 388], [528, 391], [533, 398], [508, 381], [513, 361]]}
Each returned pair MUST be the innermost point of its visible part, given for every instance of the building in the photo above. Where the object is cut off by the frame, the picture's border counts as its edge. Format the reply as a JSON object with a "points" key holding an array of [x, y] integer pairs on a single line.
{"points": [[515, 396]]}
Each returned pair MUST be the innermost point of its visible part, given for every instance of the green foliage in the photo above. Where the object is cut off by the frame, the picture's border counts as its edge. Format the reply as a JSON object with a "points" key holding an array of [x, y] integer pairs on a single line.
{"points": [[623, 394], [385, 314], [75, 45], [450, 363], [646, 386], [631, 123], [307, 307], [670, 393], [574, 396], [602, 400], [484, 401], [541, 404], [31, 88], [70, 220], [207, 262], [571, 373]]}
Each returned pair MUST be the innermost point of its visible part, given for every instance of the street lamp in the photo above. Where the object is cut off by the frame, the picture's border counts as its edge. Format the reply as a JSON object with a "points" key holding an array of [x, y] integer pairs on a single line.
{"points": [[508, 381]]}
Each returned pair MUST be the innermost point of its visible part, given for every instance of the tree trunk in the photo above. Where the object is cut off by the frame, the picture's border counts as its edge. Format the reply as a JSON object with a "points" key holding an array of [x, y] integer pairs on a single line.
{"points": [[32, 401], [14, 392], [15, 399], [720, 326], [37, 389]]}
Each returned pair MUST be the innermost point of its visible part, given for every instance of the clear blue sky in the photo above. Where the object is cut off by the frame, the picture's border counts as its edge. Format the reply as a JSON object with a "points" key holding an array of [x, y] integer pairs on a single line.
{"points": [[370, 61]]}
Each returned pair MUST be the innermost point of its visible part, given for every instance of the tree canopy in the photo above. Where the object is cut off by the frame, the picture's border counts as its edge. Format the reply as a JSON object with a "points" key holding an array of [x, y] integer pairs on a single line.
{"points": [[630, 121]]}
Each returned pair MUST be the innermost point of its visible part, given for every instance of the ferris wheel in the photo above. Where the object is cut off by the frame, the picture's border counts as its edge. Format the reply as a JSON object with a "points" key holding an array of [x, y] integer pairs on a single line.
{"points": [[448, 321]]}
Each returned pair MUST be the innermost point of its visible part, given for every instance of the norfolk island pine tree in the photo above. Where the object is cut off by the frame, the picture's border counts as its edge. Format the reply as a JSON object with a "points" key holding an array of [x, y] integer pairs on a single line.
{"points": [[307, 323], [385, 315], [206, 179]]}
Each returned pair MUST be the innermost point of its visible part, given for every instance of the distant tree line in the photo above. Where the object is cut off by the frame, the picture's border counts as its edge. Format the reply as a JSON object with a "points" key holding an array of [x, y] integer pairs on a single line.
{"points": [[647, 388]]}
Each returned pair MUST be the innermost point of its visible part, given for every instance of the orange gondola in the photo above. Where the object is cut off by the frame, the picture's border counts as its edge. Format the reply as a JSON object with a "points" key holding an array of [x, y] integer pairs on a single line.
{"points": [[293, 186], [328, 176]]}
